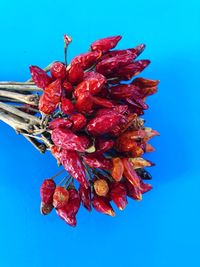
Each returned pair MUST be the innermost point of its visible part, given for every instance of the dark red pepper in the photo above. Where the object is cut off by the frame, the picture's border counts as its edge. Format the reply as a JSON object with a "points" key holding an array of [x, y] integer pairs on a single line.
{"points": [[60, 122], [97, 161], [40, 77], [67, 106], [85, 196], [105, 44], [78, 120], [118, 195], [101, 204], [58, 70], [73, 164], [75, 74], [86, 60], [47, 190]]}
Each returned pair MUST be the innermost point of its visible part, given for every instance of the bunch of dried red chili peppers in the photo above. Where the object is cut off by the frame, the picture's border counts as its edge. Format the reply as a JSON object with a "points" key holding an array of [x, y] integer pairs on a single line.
{"points": [[88, 116]]}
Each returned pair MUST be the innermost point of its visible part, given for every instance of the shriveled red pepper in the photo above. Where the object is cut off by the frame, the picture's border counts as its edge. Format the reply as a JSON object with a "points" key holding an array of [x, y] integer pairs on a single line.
{"points": [[73, 164], [93, 85], [103, 124], [145, 83], [60, 197], [58, 70], [40, 77], [118, 195], [117, 169], [102, 102], [67, 87], [128, 71], [123, 91], [130, 173], [66, 139], [102, 205], [84, 103], [60, 122], [102, 145], [132, 191], [69, 211], [47, 190], [85, 196], [105, 44], [86, 60], [110, 65], [145, 187], [67, 106], [98, 161], [75, 74], [78, 120], [50, 98]]}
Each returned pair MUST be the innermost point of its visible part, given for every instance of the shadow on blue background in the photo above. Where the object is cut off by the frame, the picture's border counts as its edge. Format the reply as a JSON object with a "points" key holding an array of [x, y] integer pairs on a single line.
{"points": [[162, 230]]}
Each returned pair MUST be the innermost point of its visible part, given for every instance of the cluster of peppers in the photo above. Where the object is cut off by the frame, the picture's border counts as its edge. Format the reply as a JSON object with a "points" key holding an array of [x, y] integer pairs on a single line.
{"points": [[96, 130]]}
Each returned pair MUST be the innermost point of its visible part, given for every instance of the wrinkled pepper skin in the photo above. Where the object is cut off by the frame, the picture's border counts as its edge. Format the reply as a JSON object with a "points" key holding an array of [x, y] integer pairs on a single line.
{"points": [[75, 74], [39, 76], [73, 164], [67, 106], [86, 60], [47, 190], [60, 197], [105, 44], [79, 121], [98, 161], [103, 124], [58, 70], [50, 98], [60, 122], [66, 139]]}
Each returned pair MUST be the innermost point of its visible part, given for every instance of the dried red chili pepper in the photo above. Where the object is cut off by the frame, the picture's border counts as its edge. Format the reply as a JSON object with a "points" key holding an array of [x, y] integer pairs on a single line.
{"points": [[40, 77], [110, 65], [63, 214], [118, 195], [130, 173], [103, 124], [58, 70], [123, 91], [47, 190], [101, 204], [67, 87], [51, 97], [73, 164], [97, 161], [101, 187], [85, 196], [74, 202], [132, 191], [84, 103], [75, 74], [66, 139], [128, 71], [92, 85], [102, 102], [79, 121], [117, 169], [102, 145], [67, 106], [105, 44], [60, 122], [60, 197], [86, 60], [145, 83]]}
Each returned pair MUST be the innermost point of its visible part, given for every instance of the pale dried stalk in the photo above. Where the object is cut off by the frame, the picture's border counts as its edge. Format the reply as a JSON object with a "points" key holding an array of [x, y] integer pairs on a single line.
{"points": [[19, 87], [15, 123], [28, 99], [11, 109]]}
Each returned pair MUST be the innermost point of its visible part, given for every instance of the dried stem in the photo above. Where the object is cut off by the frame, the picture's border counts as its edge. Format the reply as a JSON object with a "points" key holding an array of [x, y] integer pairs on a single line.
{"points": [[30, 118], [39, 146], [14, 86], [28, 99]]}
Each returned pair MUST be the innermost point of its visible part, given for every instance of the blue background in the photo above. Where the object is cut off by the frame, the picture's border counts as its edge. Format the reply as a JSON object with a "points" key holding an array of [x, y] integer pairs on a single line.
{"points": [[163, 229]]}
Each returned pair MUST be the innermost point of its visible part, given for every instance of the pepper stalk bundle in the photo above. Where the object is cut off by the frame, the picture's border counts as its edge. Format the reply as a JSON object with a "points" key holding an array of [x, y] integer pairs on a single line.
{"points": [[88, 115]]}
